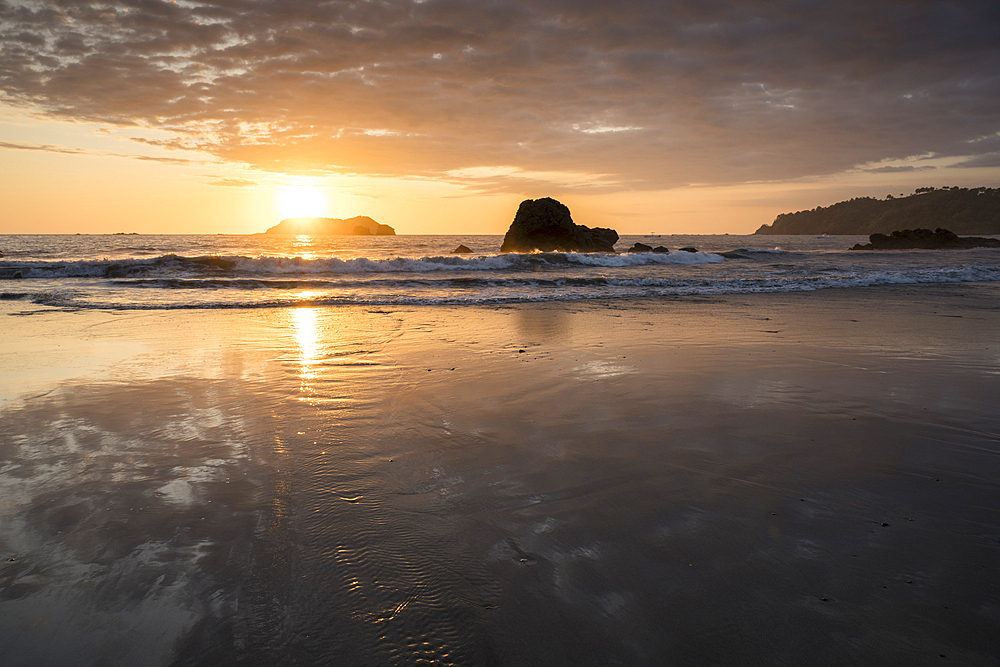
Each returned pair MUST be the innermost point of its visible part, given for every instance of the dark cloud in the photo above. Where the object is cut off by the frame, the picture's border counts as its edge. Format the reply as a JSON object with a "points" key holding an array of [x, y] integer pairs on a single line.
{"points": [[645, 92], [984, 160]]}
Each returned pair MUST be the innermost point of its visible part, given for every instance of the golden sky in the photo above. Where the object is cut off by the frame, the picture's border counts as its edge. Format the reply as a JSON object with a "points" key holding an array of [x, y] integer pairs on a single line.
{"points": [[439, 116]]}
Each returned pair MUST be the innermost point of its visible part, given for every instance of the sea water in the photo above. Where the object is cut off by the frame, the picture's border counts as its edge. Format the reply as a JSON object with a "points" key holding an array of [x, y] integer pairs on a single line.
{"points": [[127, 272]]}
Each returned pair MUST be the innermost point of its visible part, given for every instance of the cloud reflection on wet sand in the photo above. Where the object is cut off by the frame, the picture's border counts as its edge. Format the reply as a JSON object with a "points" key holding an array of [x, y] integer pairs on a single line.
{"points": [[665, 482]]}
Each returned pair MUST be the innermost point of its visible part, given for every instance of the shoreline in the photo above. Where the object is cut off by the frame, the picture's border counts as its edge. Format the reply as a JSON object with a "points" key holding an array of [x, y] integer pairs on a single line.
{"points": [[800, 477]]}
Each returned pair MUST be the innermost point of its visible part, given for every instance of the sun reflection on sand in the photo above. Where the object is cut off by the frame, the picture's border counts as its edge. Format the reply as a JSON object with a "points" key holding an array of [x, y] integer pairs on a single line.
{"points": [[307, 336]]}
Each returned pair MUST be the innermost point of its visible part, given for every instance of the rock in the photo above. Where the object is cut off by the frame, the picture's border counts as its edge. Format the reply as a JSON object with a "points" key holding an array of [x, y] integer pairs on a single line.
{"points": [[925, 239], [360, 225], [462, 249], [642, 247], [687, 249], [546, 225]]}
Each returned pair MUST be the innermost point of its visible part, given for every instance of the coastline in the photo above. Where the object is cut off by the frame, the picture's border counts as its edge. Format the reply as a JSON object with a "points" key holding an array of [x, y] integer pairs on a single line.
{"points": [[650, 481]]}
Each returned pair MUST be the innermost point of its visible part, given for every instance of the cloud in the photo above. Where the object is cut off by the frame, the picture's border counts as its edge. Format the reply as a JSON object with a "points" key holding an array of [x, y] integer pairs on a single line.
{"points": [[231, 182], [46, 148], [157, 158], [639, 93], [897, 169], [985, 160]]}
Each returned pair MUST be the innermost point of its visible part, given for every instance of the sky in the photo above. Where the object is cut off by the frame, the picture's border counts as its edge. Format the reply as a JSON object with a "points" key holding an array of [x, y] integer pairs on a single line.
{"points": [[440, 116]]}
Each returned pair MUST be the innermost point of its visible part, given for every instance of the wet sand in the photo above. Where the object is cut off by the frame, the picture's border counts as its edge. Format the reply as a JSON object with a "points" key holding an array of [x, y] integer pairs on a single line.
{"points": [[759, 479]]}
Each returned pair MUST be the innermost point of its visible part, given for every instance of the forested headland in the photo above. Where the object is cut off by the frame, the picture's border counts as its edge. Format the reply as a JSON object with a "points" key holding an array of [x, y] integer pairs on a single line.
{"points": [[961, 210]]}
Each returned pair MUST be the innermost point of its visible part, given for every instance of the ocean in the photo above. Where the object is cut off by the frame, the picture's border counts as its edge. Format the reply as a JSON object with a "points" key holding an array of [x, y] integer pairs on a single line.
{"points": [[129, 272]]}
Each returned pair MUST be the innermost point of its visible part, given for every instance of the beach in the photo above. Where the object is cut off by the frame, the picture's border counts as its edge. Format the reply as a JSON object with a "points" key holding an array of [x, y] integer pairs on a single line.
{"points": [[782, 478]]}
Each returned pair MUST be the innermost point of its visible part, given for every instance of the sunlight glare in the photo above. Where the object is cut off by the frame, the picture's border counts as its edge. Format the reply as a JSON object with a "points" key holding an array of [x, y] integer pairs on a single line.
{"points": [[307, 336], [301, 201]]}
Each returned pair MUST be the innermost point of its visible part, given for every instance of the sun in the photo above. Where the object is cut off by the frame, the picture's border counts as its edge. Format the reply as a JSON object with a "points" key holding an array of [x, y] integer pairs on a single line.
{"points": [[301, 201]]}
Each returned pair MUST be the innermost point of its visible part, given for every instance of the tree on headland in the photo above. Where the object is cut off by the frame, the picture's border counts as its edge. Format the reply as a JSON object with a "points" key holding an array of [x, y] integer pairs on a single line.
{"points": [[961, 210]]}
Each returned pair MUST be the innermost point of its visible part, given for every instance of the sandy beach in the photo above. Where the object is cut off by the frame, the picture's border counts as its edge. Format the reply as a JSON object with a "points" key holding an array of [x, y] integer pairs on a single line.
{"points": [[782, 479]]}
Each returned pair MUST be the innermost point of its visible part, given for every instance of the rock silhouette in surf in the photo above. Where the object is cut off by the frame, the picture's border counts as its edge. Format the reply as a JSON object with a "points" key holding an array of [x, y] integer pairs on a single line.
{"points": [[545, 224], [642, 247], [925, 239], [461, 250]]}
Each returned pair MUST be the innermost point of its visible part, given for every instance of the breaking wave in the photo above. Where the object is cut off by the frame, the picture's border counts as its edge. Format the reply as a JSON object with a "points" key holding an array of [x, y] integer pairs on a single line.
{"points": [[167, 265]]}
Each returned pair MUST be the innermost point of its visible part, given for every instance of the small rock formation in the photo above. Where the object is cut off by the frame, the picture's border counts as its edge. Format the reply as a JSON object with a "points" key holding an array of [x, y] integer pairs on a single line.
{"points": [[546, 225], [687, 249], [939, 239], [360, 225], [642, 247], [461, 250]]}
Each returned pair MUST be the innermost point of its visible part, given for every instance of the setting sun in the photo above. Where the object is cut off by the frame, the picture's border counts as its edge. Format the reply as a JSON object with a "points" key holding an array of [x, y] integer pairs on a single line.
{"points": [[301, 201]]}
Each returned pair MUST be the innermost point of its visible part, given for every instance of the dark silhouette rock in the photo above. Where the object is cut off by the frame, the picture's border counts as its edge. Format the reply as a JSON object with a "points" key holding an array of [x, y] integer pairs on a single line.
{"points": [[360, 225], [462, 249], [687, 249], [925, 239], [546, 225], [962, 210], [642, 247]]}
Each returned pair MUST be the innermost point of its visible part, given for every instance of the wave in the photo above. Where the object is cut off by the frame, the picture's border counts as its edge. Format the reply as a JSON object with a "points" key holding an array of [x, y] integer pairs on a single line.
{"points": [[341, 284], [479, 291], [169, 265]]}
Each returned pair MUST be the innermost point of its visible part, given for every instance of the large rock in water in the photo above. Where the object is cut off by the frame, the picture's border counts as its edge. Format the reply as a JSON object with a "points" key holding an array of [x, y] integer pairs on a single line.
{"points": [[546, 225], [925, 239], [360, 225]]}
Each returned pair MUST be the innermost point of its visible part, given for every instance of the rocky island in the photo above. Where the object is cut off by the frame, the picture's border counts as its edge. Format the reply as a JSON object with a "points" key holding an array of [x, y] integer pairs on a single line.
{"points": [[925, 239], [962, 210], [546, 224], [360, 225]]}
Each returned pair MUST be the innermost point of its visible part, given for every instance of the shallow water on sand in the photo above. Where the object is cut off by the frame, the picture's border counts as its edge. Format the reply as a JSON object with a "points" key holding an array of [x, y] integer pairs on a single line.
{"points": [[766, 479]]}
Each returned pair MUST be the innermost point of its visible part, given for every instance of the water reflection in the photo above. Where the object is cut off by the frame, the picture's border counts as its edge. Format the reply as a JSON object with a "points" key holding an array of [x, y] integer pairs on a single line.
{"points": [[304, 246], [543, 325], [305, 321]]}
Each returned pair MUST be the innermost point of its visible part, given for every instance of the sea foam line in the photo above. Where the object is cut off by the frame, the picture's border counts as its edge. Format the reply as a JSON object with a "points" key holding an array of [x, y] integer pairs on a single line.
{"points": [[176, 264]]}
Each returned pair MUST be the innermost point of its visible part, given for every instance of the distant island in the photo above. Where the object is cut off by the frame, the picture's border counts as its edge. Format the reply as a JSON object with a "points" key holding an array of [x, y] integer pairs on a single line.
{"points": [[962, 210], [360, 225]]}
